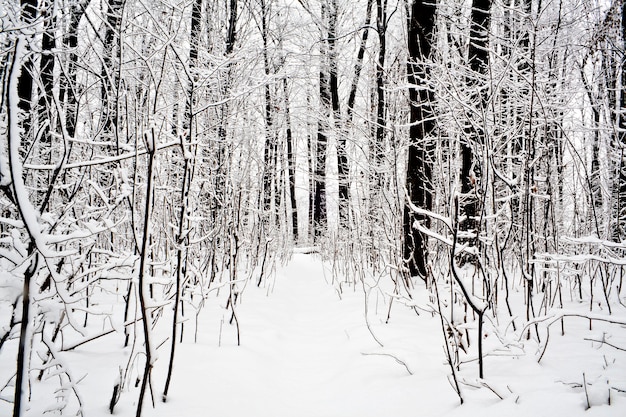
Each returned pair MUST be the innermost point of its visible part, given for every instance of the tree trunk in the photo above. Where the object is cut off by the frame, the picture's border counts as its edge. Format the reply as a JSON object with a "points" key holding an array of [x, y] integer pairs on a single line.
{"points": [[46, 69], [269, 168], [291, 164], [111, 56], [141, 281], [27, 213], [319, 171], [23, 84], [25, 81], [182, 238], [478, 56], [420, 26], [110, 75], [381, 109]]}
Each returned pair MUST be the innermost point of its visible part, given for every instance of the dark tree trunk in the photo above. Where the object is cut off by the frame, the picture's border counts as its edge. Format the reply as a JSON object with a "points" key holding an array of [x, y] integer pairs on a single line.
{"points": [[291, 162], [141, 279], [381, 123], [269, 155], [478, 56], [67, 91], [231, 35], [25, 81], [359, 61], [46, 69], [420, 26], [110, 66], [46, 99], [343, 169], [319, 173]]}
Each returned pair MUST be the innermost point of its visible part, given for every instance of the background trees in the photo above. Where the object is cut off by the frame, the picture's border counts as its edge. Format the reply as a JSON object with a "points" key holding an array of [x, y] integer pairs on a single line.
{"points": [[155, 152]]}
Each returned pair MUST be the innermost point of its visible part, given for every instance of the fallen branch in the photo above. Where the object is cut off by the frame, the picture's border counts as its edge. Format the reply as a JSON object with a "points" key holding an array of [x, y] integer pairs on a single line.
{"points": [[558, 315], [401, 362], [98, 336], [604, 342]]}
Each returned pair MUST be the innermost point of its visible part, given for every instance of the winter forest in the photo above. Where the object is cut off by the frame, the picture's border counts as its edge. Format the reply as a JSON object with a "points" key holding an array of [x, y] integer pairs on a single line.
{"points": [[312, 207]]}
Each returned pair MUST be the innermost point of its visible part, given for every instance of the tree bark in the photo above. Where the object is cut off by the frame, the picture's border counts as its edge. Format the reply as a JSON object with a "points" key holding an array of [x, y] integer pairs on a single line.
{"points": [[25, 81], [141, 281], [319, 172], [420, 27], [291, 164]]}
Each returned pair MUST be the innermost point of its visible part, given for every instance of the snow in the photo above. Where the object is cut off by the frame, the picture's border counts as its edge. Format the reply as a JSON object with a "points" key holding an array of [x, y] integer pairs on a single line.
{"points": [[306, 351]]}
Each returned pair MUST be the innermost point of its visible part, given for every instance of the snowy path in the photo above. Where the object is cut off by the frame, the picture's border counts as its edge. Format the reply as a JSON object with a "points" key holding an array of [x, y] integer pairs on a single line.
{"points": [[301, 355]]}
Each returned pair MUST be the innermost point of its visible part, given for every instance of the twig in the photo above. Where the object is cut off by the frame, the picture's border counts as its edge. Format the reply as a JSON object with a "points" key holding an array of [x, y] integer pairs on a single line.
{"points": [[401, 362], [484, 384], [98, 336], [366, 314], [606, 343], [586, 393]]}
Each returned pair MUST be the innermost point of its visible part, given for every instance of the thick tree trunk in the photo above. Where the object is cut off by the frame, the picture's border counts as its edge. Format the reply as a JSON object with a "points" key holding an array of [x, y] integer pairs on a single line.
{"points": [[343, 168], [420, 26]]}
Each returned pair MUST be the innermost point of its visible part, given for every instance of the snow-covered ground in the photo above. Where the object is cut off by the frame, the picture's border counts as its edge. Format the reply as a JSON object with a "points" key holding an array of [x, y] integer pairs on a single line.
{"points": [[306, 351]]}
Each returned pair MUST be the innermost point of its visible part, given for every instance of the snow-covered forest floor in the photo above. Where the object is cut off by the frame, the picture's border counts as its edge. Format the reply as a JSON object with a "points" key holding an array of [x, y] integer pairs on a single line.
{"points": [[306, 351]]}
